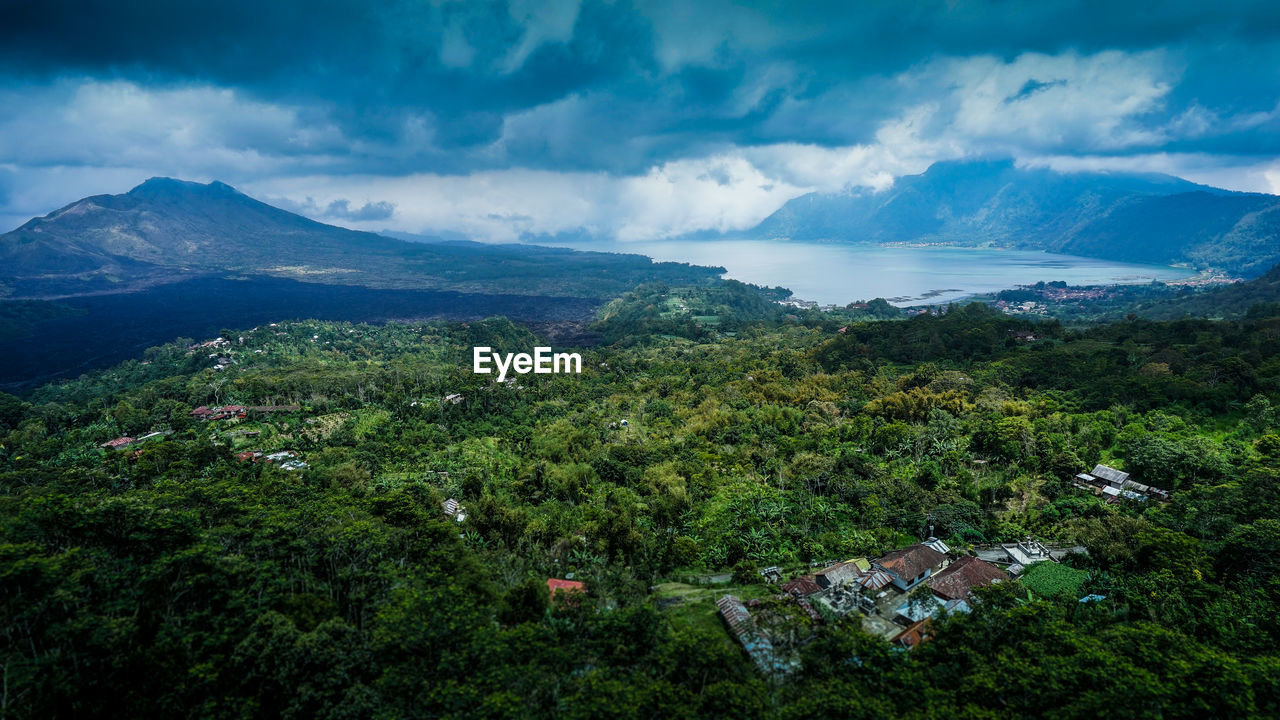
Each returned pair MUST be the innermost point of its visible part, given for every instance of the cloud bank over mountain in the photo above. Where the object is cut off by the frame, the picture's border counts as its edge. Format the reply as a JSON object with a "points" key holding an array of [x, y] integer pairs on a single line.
{"points": [[635, 120]]}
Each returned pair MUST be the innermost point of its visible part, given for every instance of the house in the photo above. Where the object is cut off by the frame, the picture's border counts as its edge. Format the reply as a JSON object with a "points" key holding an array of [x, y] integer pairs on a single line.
{"points": [[909, 566], [1026, 552], [957, 580], [862, 563], [914, 635], [1116, 484], [454, 509], [215, 343], [735, 615], [874, 580], [938, 545], [800, 587], [839, 574], [557, 587], [772, 574], [454, 398], [280, 457], [248, 456], [1114, 495], [226, 412], [1112, 476], [743, 626], [922, 606]]}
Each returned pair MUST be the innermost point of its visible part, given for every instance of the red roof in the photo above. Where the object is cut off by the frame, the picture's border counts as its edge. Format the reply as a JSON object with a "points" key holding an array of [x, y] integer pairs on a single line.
{"points": [[556, 586], [219, 413], [912, 560], [801, 587], [117, 443], [956, 580], [913, 635]]}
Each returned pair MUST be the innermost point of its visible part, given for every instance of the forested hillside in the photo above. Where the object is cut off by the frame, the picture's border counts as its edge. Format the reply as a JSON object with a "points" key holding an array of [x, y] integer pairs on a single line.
{"points": [[1229, 301], [185, 575]]}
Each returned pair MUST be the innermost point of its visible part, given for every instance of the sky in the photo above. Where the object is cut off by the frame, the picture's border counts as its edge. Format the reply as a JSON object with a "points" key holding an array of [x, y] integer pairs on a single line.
{"points": [[535, 119]]}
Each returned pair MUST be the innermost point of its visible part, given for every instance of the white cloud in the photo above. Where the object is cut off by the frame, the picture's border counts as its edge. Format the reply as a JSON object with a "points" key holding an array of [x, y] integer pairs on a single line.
{"points": [[494, 206], [1245, 174], [721, 193], [1067, 111], [1041, 103]]}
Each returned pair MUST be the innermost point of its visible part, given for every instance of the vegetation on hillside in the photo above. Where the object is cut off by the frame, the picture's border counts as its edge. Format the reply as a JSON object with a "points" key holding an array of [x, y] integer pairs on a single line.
{"points": [[717, 432]]}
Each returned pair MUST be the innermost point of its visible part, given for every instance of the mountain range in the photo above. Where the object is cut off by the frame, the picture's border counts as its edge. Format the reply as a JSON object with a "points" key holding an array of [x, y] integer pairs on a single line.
{"points": [[167, 230], [1144, 218]]}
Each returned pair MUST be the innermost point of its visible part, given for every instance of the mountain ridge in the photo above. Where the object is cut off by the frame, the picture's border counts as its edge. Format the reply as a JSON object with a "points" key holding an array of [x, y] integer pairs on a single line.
{"points": [[165, 230], [1132, 217]]}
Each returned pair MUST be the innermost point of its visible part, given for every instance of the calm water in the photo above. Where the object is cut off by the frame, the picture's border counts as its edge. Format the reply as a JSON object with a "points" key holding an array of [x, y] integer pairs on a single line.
{"points": [[903, 275]]}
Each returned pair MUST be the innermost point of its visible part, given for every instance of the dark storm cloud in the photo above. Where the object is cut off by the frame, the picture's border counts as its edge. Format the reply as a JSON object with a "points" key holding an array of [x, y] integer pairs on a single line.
{"points": [[639, 82], [639, 118], [369, 65]]}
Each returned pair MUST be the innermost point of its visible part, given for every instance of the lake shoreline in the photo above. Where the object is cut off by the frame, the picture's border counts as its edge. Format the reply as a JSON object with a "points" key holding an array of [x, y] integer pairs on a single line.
{"points": [[839, 274]]}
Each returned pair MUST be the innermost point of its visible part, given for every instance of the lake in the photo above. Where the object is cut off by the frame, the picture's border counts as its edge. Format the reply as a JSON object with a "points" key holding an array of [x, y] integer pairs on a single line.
{"points": [[109, 328], [840, 274]]}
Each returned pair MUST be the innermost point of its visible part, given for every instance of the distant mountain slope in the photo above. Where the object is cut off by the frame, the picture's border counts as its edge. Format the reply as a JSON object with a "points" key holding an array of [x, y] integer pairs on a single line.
{"points": [[1130, 217], [165, 229]]}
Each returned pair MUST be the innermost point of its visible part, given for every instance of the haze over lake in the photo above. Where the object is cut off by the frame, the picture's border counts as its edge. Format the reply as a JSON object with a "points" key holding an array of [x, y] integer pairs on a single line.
{"points": [[841, 274]]}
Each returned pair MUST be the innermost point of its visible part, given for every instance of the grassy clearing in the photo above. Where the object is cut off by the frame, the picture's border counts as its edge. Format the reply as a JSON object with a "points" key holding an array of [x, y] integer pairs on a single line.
{"points": [[693, 607]]}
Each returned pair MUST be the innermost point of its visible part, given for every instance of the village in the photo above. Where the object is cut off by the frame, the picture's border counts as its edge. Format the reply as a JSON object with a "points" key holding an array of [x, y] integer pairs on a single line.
{"points": [[251, 430], [898, 595]]}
